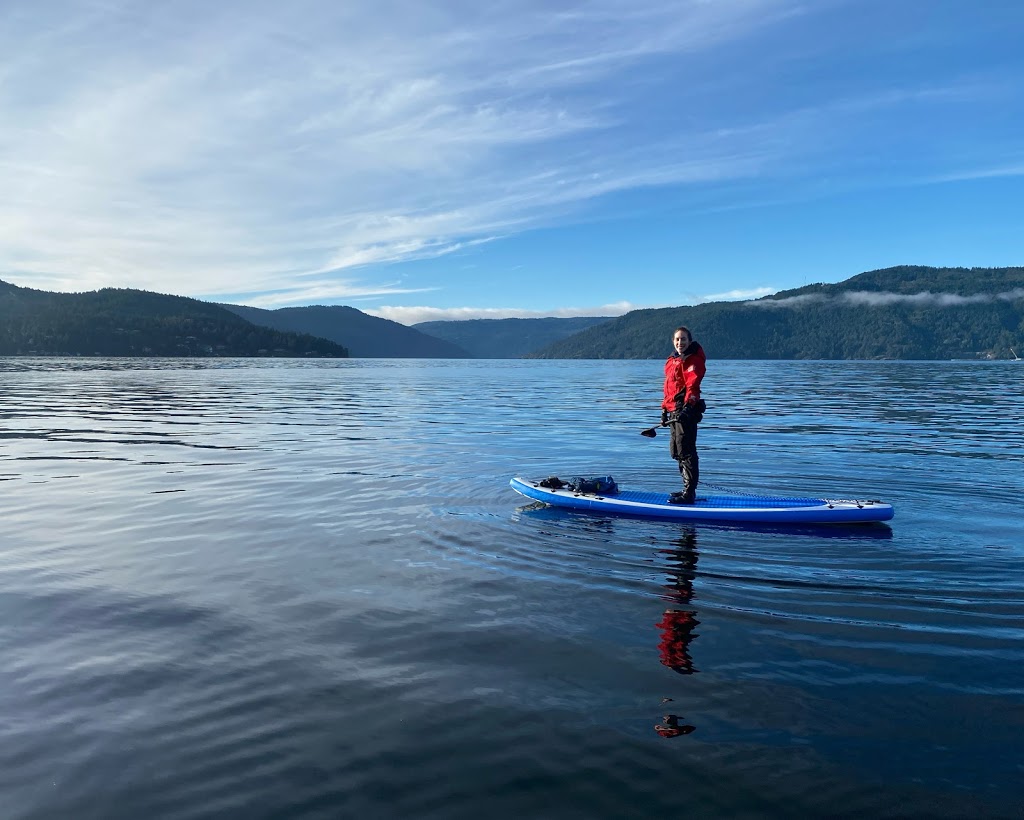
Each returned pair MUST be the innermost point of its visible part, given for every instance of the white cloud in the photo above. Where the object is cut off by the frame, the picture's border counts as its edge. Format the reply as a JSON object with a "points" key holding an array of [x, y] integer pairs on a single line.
{"points": [[735, 295], [228, 148], [414, 315], [787, 302], [410, 315], [865, 298], [985, 172], [326, 291], [272, 150], [926, 298]]}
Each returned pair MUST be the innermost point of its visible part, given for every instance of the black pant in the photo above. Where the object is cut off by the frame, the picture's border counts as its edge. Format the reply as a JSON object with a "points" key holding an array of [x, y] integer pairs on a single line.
{"points": [[683, 448]]}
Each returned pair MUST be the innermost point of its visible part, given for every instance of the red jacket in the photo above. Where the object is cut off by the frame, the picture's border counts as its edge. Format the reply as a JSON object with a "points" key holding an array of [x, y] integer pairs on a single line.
{"points": [[682, 377]]}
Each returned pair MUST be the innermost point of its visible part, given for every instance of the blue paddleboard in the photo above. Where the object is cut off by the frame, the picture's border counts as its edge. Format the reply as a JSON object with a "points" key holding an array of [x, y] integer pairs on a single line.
{"points": [[749, 508]]}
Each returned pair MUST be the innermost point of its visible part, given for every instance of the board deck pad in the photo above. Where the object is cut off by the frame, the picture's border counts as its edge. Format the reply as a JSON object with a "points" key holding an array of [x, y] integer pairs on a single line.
{"points": [[754, 508]]}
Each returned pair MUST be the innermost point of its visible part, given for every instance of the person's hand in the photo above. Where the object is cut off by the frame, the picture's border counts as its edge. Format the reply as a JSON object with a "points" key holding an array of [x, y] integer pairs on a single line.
{"points": [[664, 417], [694, 411]]}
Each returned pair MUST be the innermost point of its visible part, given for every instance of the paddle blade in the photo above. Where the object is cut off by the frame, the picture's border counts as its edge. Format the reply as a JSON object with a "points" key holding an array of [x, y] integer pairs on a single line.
{"points": [[649, 433]]}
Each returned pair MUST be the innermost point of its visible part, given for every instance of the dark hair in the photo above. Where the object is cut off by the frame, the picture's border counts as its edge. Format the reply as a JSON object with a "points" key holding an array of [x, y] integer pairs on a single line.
{"points": [[685, 330]]}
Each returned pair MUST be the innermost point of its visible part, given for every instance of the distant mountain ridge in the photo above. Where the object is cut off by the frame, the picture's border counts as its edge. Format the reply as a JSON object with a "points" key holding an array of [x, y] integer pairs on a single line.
{"points": [[904, 312], [365, 336], [126, 322], [507, 338]]}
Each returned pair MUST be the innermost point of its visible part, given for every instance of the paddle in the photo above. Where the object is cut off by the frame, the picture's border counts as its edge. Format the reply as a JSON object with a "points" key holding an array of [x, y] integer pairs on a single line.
{"points": [[651, 432]]}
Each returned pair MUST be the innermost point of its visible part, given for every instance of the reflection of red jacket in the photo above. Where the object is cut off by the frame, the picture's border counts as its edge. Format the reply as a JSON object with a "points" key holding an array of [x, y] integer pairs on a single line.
{"points": [[682, 377], [672, 728], [677, 627]]}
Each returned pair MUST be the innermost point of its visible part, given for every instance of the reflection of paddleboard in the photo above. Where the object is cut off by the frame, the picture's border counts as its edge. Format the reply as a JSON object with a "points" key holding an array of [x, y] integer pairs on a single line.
{"points": [[754, 508]]}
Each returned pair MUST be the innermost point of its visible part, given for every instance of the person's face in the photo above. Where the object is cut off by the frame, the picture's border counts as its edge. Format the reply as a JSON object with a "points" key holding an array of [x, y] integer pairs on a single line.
{"points": [[680, 342]]}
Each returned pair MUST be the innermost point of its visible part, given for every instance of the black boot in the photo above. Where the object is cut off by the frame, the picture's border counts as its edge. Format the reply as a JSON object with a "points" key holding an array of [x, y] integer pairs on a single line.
{"points": [[690, 470]]}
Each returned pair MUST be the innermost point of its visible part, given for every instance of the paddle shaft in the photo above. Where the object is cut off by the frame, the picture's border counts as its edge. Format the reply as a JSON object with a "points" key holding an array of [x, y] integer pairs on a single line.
{"points": [[651, 432]]}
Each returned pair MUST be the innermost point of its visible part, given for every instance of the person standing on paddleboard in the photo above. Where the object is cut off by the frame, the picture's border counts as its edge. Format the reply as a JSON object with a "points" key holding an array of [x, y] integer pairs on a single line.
{"points": [[682, 409]]}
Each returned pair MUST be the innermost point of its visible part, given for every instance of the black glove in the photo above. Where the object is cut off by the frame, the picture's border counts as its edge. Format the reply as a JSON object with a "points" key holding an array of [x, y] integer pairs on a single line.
{"points": [[694, 411], [664, 417]]}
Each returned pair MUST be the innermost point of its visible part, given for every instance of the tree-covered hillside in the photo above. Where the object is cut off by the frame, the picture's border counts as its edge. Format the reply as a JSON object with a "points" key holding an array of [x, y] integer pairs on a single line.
{"points": [[363, 335], [122, 322], [896, 313]]}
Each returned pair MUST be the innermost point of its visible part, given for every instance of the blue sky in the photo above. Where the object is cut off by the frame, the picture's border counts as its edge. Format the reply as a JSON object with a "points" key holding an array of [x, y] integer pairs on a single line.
{"points": [[430, 160]]}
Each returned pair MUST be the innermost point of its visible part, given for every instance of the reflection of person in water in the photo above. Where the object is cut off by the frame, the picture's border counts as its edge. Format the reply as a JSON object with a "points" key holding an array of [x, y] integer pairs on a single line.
{"points": [[676, 633], [672, 727], [677, 625]]}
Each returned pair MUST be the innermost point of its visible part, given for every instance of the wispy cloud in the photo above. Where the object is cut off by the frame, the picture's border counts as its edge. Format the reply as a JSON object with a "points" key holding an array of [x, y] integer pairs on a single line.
{"points": [[982, 172], [275, 150], [739, 295], [927, 299], [410, 315], [226, 148], [413, 315], [327, 291], [787, 302], [864, 298]]}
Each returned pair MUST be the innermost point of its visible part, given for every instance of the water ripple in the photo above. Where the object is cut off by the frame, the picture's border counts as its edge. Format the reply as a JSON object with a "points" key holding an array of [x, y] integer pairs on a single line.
{"points": [[304, 589]]}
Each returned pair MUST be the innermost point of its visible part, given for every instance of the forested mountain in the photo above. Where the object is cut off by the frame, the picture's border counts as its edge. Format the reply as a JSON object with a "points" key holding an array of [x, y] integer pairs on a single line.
{"points": [[908, 312], [507, 338], [122, 322], [363, 335], [895, 313]]}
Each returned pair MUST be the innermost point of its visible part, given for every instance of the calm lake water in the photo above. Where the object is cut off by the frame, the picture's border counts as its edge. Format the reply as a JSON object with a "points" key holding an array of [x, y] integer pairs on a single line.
{"points": [[304, 589]]}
